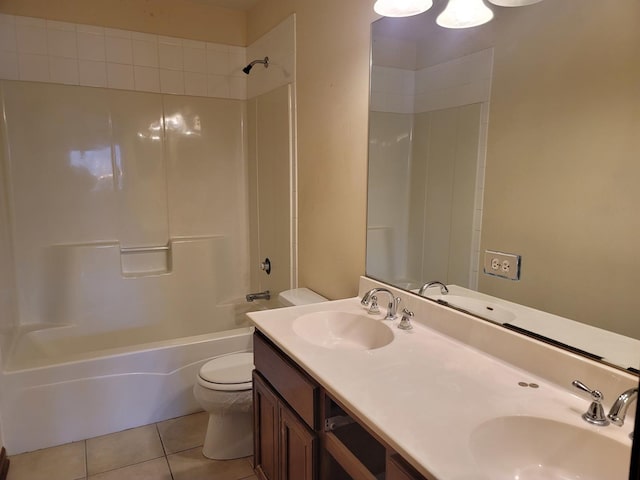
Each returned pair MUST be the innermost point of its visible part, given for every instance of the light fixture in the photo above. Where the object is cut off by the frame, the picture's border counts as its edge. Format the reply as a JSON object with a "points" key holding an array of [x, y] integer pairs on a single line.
{"points": [[464, 14], [513, 3], [401, 8]]}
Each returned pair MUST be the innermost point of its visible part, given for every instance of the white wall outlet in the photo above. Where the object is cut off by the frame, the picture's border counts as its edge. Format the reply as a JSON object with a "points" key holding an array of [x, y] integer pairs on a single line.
{"points": [[500, 264]]}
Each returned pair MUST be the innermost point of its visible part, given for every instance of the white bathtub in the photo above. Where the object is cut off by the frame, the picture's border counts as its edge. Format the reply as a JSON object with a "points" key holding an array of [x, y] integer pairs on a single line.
{"points": [[108, 390]]}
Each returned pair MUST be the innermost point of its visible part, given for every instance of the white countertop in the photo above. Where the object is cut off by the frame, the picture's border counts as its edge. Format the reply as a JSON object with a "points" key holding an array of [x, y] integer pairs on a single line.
{"points": [[424, 393]]}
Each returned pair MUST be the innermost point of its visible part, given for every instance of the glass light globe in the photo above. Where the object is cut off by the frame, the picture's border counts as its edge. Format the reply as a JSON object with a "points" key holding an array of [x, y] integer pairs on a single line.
{"points": [[401, 8], [464, 14]]}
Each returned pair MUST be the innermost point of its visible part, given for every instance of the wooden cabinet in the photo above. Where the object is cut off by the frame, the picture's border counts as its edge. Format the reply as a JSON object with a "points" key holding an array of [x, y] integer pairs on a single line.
{"points": [[297, 448], [284, 447], [265, 428], [399, 469], [284, 399], [301, 433]]}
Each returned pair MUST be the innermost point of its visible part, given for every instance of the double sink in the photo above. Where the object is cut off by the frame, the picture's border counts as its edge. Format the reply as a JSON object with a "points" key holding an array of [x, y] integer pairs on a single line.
{"points": [[499, 432]]}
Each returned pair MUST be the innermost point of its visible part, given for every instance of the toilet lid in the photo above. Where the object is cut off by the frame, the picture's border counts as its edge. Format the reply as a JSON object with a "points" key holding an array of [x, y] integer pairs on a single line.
{"points": [[234, 369]]}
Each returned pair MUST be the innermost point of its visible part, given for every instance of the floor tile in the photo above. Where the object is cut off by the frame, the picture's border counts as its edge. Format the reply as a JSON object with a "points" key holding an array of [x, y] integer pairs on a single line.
{"points": [[123, 448], [65, 462], [157, 469], [183, 433], [192, 465]]}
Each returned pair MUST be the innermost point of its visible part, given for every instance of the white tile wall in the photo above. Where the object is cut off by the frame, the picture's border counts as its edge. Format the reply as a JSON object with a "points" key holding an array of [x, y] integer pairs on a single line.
{"points": [[392, 89], [46, 51], [458, 82], [461, 81], [92, 73], [196, 84]]}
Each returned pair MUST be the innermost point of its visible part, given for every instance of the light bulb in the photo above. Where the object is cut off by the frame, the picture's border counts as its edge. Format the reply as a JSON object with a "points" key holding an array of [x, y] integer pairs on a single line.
{"points": [[401, 8], [513, 3], [464, 14]]}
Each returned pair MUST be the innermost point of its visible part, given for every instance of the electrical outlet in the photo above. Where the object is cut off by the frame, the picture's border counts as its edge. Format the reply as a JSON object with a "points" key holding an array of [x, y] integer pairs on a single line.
{"points": [[500, 264]]}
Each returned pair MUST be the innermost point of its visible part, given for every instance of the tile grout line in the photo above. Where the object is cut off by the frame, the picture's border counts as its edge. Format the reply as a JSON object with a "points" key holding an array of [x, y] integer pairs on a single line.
{"points": [[125, 466], [164, 450], [86, 460], [166, 459]]}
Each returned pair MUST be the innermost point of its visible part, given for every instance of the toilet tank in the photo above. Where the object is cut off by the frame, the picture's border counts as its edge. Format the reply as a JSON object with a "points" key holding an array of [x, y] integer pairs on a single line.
{"points": [[299, 296]]}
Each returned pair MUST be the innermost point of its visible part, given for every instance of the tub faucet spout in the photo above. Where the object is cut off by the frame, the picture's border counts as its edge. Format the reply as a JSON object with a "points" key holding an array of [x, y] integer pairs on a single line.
{"points": [[258, 296]]}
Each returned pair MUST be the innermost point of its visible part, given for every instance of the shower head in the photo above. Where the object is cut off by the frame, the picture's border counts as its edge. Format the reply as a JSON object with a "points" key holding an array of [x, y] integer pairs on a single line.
{"points": [[248, 68]]}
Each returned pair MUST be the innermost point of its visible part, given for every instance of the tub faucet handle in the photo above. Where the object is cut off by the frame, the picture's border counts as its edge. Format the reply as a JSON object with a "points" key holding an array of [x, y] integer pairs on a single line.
{"points": [[595, 412]]}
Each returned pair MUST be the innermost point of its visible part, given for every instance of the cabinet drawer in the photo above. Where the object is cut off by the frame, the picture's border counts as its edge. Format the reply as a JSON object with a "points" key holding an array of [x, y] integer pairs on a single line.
{"points": [[293, 385]]}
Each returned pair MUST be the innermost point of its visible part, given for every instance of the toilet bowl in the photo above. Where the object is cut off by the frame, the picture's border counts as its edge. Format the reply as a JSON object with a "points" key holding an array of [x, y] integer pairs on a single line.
{"points": [[224, 390]]}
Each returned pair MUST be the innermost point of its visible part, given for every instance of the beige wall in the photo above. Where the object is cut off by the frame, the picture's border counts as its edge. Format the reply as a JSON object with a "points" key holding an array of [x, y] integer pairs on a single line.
{"points": [[333, 39], [184, 18], [562, 164]]}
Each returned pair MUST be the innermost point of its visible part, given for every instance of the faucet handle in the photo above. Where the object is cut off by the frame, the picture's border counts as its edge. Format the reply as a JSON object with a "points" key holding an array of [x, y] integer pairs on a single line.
{"points": [[405, 323], [373, 309], [595, 412]]}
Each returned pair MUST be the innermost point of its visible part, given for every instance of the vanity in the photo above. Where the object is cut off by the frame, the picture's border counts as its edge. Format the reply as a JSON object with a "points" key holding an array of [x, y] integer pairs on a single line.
{"points": [[303, 433], [342, 394]]}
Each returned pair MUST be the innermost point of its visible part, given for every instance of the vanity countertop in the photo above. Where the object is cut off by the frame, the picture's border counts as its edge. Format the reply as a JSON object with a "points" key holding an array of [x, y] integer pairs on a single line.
{"points": [[425, 393]]}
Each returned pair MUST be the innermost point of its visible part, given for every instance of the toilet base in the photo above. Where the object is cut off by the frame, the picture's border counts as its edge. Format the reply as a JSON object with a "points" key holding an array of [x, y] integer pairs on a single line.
{"points": [[229, 436]]}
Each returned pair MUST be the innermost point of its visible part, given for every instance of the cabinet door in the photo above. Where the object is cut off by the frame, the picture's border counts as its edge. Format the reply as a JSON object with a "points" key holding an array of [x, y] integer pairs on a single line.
{"points": [[398, 469], [297, 448], [265, 429]]}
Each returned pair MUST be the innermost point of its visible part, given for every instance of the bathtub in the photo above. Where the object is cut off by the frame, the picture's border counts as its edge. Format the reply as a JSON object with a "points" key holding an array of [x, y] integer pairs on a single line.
{"points": [[69, 395]]}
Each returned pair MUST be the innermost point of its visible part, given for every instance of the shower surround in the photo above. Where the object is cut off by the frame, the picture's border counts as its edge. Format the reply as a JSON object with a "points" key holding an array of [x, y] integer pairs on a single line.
{"points": [[124, 220], [129, 226]]}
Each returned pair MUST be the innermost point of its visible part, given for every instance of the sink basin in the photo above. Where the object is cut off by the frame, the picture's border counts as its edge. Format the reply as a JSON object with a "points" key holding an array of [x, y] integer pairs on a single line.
{"points": [[488, 310], [342, 331], [533, 448]]}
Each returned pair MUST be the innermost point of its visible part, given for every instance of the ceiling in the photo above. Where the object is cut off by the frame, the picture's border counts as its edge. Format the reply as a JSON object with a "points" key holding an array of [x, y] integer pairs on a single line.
{"points": [[233, 4]]}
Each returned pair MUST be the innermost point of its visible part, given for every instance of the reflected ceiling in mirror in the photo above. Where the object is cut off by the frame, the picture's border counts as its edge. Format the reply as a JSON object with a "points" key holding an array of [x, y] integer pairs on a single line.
{"points": [[522, 136]]}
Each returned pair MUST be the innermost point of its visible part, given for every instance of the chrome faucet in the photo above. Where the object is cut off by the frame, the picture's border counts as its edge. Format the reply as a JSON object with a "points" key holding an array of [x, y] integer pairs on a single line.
{"points": [[392, 307], [258, 296], [619, 408], [443, 288], [595, 412]]}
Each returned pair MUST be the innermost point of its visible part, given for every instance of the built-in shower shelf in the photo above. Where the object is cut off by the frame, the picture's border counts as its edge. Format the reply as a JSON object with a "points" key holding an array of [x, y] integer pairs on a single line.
{"points": [[143, 261]]}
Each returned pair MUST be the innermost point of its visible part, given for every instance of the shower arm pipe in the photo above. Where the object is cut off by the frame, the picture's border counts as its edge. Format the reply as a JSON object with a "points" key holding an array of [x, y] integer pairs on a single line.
{"points": [[264, 62]]}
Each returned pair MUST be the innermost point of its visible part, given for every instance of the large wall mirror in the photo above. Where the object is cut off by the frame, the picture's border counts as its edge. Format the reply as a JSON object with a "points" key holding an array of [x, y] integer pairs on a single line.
{"points": [[519, 136]]}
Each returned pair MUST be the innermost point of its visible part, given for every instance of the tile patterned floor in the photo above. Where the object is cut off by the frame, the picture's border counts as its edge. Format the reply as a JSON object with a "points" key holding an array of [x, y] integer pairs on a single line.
{"points": [[169, 450]]}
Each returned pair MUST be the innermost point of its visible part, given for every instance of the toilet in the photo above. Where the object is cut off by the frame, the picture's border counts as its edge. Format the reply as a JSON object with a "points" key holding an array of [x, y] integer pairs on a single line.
{"points": [[224, 390]]}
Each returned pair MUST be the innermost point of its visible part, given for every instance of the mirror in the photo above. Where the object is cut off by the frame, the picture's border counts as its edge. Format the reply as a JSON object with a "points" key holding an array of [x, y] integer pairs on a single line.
{"points": [[520, 136]]}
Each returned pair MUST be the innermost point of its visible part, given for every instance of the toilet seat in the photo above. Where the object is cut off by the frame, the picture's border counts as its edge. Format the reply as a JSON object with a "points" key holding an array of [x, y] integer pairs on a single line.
{"points": [[229, 373]]}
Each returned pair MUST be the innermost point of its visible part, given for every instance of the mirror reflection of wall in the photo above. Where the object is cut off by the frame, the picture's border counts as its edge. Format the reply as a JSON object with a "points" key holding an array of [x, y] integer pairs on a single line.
{"points": [[427, 144], [558, 121]]}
